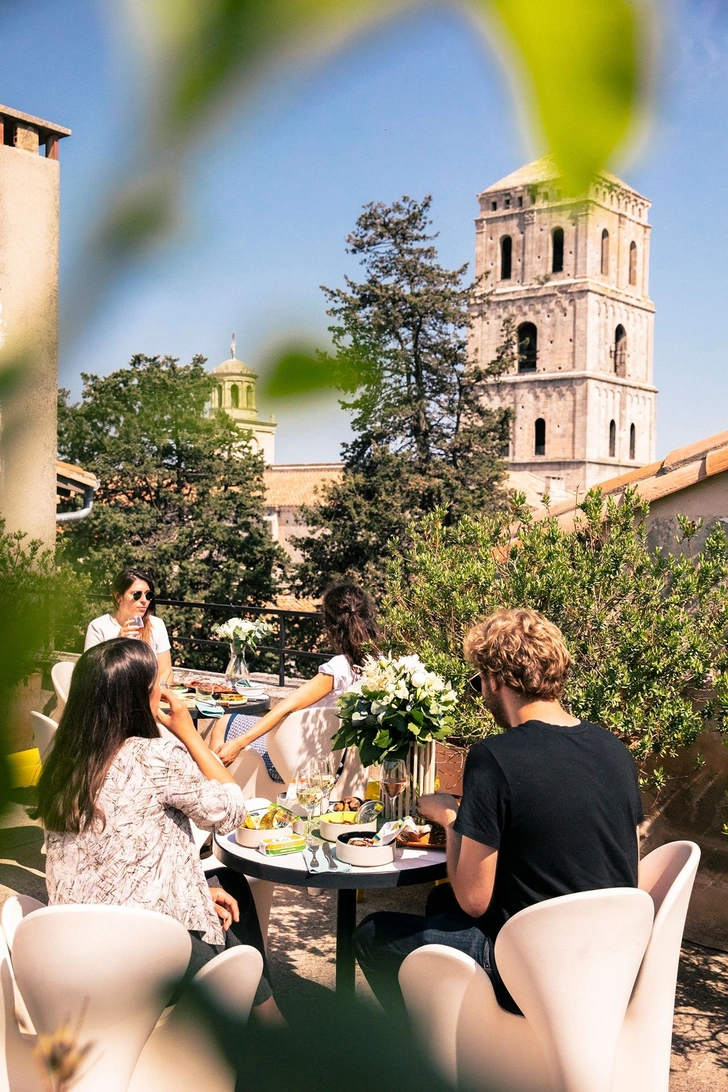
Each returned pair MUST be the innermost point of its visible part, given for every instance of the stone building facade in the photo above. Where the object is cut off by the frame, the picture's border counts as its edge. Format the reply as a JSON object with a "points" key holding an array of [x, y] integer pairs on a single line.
{"points": [[235, 393], [572, 277], [29, 206]]}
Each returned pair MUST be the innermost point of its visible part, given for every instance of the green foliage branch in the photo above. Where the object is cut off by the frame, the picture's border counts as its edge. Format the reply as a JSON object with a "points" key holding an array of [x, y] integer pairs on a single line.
{"points": [[181, 494], [646, 629]]}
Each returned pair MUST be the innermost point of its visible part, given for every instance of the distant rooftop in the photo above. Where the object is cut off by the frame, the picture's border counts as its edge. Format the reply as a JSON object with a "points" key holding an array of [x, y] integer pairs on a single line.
{"points": [[294, 484], [43, 127]]}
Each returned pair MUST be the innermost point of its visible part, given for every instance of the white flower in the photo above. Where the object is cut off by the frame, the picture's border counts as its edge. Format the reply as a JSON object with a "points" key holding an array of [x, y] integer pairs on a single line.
{"points": [[419, 678]]}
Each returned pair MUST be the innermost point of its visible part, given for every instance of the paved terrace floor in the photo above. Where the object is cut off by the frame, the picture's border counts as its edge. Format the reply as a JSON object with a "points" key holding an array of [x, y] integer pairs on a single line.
{"points": [[301, 970]]}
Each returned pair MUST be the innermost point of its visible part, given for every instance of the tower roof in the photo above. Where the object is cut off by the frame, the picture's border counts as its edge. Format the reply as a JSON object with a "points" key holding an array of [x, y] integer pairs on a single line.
{"points": [[233, 366], [544, 170]]}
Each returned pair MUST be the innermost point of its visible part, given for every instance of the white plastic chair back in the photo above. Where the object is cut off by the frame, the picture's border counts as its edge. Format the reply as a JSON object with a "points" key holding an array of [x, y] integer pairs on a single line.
{"points": [[18, 1067], [643, 1059], [104, 973], [307, 734], [15, 908], [570, 964], [44, 733], [180, 1056], [61, 678]]}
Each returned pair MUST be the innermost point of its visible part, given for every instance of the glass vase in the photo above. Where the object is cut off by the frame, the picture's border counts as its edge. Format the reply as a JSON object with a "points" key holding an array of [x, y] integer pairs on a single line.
{"points": [[237, 670]]}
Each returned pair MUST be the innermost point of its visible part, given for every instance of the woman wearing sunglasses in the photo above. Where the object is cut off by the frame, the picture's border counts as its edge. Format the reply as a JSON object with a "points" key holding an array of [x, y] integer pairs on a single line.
{"points": [[134, 598]]}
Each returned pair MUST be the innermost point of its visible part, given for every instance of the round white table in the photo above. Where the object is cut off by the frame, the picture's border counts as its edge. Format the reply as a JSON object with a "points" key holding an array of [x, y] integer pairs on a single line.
{"points": [[411, 866]]}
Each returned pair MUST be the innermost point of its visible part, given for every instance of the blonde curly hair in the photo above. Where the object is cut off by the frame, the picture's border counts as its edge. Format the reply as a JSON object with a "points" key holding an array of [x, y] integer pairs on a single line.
{"points": [[522, 650]]}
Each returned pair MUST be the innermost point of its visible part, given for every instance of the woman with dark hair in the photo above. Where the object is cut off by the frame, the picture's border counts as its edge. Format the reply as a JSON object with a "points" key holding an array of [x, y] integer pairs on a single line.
{"points": [[134, 597], [351, 626], [115, 800]]}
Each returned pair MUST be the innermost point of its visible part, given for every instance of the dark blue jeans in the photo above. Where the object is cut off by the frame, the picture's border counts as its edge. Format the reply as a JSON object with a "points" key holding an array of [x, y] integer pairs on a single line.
{"points": [[384, 940]]}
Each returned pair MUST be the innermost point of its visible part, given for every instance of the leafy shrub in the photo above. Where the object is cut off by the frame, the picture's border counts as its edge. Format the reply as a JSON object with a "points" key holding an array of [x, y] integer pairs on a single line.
{"points": [[646, 629]]}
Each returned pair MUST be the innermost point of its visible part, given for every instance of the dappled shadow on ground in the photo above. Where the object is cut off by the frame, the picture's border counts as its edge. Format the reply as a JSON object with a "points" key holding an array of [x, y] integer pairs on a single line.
{"points": [[701, 1011]]}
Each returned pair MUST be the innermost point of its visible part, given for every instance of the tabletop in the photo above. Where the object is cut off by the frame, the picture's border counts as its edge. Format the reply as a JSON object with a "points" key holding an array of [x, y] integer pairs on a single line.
{"points": [[411, 866]]}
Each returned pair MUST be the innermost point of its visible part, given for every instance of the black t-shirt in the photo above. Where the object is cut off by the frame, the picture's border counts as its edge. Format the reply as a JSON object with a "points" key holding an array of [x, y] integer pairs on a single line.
{"points": [[560, 805]]}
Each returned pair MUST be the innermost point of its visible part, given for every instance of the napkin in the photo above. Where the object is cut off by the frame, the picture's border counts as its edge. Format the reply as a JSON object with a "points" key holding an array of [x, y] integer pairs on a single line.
{"points": [[209, 709], [323, 865]]}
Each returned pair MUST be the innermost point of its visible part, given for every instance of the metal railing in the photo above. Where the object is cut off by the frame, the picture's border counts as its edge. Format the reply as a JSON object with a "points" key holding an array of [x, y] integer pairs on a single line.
{"points": [[280, 649]]}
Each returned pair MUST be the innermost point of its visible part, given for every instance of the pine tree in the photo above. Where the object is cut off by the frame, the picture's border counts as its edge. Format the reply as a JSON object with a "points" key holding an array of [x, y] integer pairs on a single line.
{"points": [[424, 437]]}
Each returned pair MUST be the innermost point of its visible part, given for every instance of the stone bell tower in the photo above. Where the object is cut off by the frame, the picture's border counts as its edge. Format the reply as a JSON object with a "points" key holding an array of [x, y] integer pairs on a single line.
{"points": [[235, 393], [572, 276]]}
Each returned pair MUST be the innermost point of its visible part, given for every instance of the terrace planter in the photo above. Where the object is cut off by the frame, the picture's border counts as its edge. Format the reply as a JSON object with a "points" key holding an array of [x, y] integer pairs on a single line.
{"points": [[694, 805], [450, 762]]}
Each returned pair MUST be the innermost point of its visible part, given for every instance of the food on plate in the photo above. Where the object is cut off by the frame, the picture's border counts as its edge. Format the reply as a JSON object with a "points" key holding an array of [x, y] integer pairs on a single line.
{"points": [[361, 842], [271, 818], [340, 817], [349, 803]]}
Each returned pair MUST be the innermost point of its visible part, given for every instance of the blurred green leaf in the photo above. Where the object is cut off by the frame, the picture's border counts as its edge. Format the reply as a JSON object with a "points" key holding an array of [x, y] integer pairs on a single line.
{"points": [[584, 64], [298, 371]]}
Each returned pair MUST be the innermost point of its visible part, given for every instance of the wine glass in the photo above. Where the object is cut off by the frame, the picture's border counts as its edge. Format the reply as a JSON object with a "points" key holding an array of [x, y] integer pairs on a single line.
{"points": [[309, 791], [327, 768], [393, 782]]}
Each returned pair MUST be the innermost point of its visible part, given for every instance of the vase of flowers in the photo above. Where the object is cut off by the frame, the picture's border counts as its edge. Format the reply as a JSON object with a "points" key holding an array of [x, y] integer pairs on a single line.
{"points": [[397, 709], [243, 636]]}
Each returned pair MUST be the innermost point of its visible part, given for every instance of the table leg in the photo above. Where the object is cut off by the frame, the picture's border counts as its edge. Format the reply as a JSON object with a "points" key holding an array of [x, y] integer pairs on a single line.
{"points": [[345, 925]]}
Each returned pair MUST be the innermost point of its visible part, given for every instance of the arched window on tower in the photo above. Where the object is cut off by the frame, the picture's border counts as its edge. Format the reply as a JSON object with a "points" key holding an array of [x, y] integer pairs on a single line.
{"points": [[527, 347], [557, 252], [235, 396], [605, 253], [219, 395], [633, 263], [506, 255], [619, 351], [632, 441], [249, 397], [612, 439], [539, 435]]}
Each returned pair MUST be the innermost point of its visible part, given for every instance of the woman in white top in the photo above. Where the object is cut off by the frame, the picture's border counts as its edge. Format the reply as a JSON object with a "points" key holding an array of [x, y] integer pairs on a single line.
{"points": [[115, 801], [134, 596], [351, 627]]}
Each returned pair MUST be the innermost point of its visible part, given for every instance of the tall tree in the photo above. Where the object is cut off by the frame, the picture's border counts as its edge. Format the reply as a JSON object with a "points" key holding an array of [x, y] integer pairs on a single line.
{"points": [[424, 435], [181, 494]]}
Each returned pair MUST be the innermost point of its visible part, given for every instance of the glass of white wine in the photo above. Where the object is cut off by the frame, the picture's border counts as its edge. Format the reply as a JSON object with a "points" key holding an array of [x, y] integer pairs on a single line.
{"points": [[309, 791], [393, 782], [328, 767]]}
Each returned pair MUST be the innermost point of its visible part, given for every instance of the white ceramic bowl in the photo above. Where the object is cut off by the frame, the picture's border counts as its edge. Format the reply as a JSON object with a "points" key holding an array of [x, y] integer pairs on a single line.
{"points": [[330, 829], [363, 856], [253, 693], [249, 837]]}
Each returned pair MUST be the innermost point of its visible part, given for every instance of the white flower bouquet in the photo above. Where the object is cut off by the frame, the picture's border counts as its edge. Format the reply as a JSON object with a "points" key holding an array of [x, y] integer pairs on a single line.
{"points": [[242, 634], [394, 702]]}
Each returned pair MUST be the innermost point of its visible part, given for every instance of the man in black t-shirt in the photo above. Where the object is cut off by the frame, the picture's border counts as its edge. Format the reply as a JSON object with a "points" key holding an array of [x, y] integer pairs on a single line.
{"points": [[549, 808]]}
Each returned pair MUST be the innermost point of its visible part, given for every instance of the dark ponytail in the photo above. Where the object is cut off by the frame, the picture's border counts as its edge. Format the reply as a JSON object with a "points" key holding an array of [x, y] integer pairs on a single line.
{"points": [[350, 620]]}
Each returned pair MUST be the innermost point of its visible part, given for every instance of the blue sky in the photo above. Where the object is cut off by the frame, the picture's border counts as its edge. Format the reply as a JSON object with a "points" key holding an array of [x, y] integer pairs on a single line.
{"points": [[418, 106]]}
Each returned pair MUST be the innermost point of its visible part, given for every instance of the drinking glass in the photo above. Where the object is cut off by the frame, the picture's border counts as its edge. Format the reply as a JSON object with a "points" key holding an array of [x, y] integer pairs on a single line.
{"points": [[309, 791], [327, 766], [394, 780]]}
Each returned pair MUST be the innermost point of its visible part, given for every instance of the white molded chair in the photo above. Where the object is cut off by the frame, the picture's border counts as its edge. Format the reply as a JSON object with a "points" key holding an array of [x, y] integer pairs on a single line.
{"points": [[578, 1033], [179, 1056], [18, 1066], [61, 678], [307, 734], [44, 733], [103, 972]]}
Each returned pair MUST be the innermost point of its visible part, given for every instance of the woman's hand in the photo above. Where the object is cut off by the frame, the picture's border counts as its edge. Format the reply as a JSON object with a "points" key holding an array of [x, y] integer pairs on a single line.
{"points": [[228, 752], [178, 719], [226, 906], [130, 628]]}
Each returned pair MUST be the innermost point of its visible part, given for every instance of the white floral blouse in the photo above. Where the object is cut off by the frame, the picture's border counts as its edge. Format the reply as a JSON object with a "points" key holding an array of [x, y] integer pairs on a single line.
{"points": [[145, 855]]}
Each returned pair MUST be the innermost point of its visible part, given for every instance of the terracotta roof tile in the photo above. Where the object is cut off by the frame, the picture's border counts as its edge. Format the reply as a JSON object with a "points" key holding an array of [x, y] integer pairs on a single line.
{"points": [[297, 483]]}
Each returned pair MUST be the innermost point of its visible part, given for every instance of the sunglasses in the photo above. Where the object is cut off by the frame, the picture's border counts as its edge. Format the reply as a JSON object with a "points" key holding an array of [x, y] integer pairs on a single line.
{"points": [[137, 595], [476, 685]]}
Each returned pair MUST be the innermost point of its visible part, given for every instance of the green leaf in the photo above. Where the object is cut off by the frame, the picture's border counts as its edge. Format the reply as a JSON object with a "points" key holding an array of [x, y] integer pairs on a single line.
{"points": [[581, 73], [297, 371]]}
